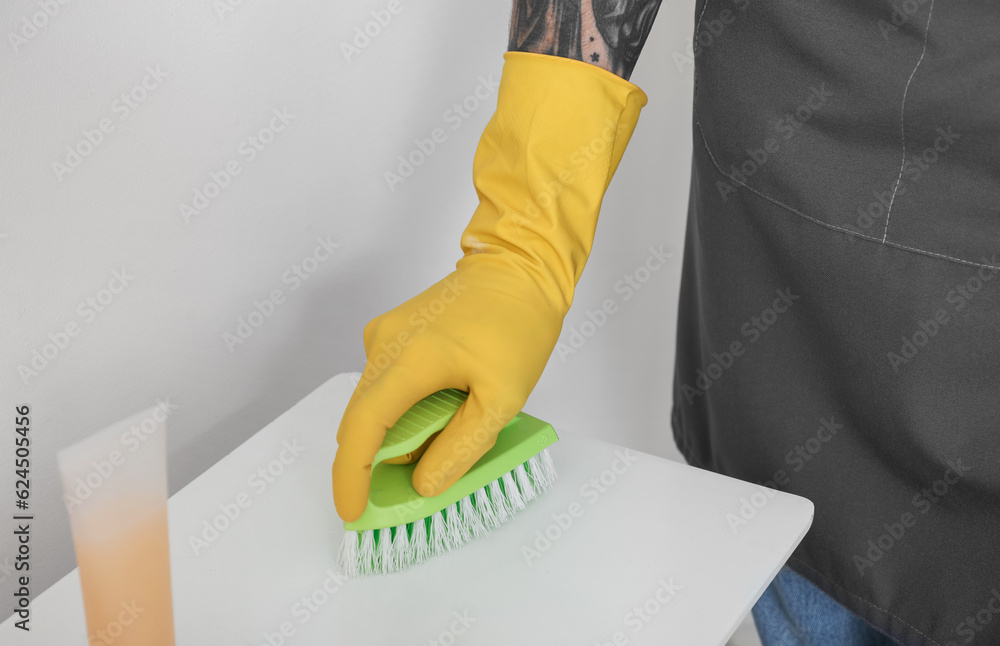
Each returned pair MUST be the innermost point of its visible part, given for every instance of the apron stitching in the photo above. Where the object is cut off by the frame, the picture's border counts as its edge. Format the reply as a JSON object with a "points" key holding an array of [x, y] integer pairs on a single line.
{"points": [[902, 126], [941, 255], [696, 28], [834, 226], [914, 628], [715, 163]]}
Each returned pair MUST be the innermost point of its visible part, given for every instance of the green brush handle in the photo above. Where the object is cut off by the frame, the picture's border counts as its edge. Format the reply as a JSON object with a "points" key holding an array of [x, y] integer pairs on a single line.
{"points": [[405, 439]]}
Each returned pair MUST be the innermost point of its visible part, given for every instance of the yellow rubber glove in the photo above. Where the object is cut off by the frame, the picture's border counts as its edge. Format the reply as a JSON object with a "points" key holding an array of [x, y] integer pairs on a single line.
{"points": [[541, 170]]}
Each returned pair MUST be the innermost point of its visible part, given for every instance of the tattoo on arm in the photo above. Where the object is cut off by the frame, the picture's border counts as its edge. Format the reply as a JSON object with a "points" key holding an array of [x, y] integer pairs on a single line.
{"points": [[606, 33]]}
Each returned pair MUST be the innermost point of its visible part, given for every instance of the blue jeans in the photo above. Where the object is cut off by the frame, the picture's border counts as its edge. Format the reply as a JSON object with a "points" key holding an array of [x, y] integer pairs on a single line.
{"points": [[794, 612]]}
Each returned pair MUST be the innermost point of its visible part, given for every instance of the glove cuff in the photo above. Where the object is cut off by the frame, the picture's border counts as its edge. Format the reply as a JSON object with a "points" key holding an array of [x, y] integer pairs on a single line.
{"points": [[543, 164]]}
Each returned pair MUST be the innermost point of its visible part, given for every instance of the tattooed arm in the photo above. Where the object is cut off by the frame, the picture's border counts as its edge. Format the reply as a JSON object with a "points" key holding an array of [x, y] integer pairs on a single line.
{"points": [[607, 33]]}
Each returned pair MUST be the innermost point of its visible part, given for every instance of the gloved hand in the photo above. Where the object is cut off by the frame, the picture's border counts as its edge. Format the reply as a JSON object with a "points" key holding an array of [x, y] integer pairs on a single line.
{"points": [[541, 170]]}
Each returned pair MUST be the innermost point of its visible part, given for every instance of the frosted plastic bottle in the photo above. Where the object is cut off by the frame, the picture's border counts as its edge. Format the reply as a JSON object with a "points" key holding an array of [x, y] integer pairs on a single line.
{"points": [[115, 489]]}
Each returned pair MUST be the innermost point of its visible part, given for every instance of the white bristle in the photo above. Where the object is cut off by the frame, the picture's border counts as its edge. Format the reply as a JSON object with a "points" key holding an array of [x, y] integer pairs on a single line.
{"points": [[400, 548], [500, 505], [457, 532], [384, 562], [418, 542], [465, 523], [471, 518], [512, 494], [524, 484], [548, 468], [438, 537], [543, 472], [535, 471], [366, 555], [485, 508], [348, 557]]}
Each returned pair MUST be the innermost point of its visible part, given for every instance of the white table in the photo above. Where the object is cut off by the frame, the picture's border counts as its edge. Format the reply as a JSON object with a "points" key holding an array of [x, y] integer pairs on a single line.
{"points": [[648, 557]]}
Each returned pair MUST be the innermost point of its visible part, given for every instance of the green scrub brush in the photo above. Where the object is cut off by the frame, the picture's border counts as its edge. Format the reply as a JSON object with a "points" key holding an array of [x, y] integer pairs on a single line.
{"points": [[399, 527]]}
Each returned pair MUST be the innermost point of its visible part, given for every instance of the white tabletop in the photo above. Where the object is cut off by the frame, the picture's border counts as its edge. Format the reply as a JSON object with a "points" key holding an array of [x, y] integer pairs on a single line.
{"points": [[642, 551]]}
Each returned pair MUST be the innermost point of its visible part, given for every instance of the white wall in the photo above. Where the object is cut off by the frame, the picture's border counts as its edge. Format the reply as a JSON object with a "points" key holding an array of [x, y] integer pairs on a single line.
{"points": [[63, 234]]}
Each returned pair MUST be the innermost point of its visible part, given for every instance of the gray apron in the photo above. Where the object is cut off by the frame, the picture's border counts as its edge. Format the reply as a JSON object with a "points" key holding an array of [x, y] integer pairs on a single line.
{"points": [[839, 331]]}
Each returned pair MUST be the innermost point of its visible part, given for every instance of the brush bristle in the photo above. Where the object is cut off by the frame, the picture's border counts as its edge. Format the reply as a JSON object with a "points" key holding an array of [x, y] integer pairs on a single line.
{"points": [[366, 557], [384, 554], [437, 538], [381, 551], [419, 549], [500, 505], [400, 546], [349, 556], [473, 520], [524, 484], [485, 509], [454, 528]]}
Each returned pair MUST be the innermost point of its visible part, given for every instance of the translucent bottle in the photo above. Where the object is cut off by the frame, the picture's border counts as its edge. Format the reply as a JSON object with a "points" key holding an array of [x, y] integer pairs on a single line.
{"points": [[115, 489]]}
